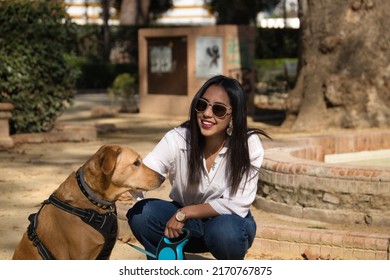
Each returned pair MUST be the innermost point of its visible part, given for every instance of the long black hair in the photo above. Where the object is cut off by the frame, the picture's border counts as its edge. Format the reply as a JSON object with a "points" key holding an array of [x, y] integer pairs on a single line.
{"points": [[238, 152]]}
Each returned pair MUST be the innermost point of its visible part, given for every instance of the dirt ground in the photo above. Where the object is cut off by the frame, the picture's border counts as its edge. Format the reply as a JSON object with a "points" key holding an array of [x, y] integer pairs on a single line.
{"points": [[31, 172]]}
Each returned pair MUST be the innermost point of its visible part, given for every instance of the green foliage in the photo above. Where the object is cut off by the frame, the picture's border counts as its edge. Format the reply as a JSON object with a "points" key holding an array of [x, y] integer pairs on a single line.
{"points": [[36, 40], [90, 41], [99, 74], [276, 43], [271, 63], [271, 73], [238, 11], [158, 7], [124, 88], [124, 85]]}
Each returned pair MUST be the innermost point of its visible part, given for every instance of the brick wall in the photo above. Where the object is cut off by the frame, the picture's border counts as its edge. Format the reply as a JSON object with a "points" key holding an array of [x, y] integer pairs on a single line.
{"points": [[296, 181]]}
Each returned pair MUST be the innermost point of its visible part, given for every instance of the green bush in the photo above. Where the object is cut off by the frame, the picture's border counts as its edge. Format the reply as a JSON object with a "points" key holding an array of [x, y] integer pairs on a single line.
{"points": [[97, 75], [272, 73], [124, 88], [276, 43], [124, 85], [36, 39]]}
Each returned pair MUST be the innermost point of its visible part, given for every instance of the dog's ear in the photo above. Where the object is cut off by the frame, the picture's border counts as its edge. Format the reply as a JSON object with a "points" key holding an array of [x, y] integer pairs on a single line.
{"points": [[109, 159]]}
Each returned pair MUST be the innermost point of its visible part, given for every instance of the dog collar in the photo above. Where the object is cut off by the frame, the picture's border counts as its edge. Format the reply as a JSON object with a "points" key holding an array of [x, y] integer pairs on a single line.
{"points": [[87, 191]]}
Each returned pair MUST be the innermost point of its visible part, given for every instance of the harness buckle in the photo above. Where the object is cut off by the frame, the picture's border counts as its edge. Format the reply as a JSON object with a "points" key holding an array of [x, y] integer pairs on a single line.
{"points": [[33, 237], [36, 241]]}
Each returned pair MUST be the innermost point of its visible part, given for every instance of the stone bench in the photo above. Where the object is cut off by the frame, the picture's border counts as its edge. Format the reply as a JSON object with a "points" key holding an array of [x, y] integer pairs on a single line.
{"points": [[5, 115]]}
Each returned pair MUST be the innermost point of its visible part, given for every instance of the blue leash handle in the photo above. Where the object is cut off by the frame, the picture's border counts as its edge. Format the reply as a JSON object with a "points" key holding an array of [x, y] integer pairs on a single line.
{"points": [[168, 249]]}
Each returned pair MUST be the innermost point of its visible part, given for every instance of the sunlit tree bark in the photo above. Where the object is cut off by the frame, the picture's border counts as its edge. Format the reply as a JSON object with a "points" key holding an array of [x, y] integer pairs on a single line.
{"points": [[344, 77]]}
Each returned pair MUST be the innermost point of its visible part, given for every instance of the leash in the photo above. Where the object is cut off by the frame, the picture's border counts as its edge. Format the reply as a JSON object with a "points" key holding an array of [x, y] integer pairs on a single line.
{"points": [[142, 250], [168, 249]]}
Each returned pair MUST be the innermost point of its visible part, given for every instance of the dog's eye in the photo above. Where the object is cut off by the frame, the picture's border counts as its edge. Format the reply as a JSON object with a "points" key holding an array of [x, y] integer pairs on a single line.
{"points": [[137, 163]]}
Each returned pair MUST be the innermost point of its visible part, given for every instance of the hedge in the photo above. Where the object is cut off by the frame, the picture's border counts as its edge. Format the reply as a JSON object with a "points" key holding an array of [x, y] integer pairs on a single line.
{"points": [[35, 75]]}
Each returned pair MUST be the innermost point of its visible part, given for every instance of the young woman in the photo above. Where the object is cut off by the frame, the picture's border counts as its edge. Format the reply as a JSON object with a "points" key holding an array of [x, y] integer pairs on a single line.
{"points": [[212, 162]]}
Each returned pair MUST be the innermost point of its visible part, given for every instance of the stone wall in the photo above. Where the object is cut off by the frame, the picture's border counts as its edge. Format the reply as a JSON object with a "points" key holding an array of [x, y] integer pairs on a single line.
{"points": [[295, 181]]}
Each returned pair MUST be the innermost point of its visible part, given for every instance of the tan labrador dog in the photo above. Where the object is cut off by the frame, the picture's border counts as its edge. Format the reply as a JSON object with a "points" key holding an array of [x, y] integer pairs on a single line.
{"points": [[79, 220]]}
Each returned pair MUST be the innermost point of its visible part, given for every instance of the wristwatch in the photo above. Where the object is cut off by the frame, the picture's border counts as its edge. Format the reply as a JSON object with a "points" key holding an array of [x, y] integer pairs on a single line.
{"points": [[180, 216]]}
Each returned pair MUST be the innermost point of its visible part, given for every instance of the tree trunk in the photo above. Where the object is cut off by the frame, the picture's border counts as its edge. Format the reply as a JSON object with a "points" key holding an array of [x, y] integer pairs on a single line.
{"points": [[106, 29], [344, 75], [134, 12]]}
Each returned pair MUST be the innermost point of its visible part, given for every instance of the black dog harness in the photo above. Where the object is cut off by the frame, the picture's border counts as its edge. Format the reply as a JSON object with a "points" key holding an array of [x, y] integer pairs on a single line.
{"points": [[106, 224]]}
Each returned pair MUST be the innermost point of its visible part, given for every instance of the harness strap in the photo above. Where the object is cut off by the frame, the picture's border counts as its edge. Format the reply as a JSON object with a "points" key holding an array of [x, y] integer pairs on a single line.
{"points": [[33, 236], [86, 215], [106, 224]]}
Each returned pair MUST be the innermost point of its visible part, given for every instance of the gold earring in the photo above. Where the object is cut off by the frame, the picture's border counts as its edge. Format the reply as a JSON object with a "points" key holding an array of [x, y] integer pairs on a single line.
{"points": [[229, 130]]}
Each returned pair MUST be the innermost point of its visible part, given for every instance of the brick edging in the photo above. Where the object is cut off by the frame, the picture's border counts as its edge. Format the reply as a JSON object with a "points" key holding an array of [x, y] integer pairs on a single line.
{"points": [[291, 242], [296, 181]]}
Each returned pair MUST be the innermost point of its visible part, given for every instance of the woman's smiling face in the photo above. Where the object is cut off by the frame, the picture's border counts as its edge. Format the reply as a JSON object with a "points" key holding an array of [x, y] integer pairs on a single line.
{"points": [[209, 124]]}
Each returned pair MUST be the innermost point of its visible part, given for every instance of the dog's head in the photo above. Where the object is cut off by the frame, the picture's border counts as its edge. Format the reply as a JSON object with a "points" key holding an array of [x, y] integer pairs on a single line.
{"points": [[115, 169]]}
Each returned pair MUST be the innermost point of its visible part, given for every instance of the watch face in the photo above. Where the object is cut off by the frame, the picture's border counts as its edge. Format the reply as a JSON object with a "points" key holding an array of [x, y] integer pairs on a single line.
{"points": [[180, 216]]}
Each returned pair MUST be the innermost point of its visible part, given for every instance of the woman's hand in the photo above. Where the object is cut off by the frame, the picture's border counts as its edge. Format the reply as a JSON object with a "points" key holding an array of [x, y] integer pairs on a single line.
{"points": [[173, 228]]}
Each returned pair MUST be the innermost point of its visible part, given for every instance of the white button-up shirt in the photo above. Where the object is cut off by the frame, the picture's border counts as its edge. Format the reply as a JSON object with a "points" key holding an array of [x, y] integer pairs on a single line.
{"points": [[170, 158]]}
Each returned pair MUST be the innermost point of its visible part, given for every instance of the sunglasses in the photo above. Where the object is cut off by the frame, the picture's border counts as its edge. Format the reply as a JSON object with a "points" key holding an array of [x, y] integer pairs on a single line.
{"points": [[219, 110]]}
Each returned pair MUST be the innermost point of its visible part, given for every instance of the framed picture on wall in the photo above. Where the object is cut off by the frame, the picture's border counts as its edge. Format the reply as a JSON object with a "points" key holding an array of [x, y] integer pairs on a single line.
{"points": [[209, 58]]}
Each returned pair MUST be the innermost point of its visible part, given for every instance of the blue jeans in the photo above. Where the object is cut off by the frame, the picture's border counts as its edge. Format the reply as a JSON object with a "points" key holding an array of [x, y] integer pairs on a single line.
{"points": [[226, 237]]}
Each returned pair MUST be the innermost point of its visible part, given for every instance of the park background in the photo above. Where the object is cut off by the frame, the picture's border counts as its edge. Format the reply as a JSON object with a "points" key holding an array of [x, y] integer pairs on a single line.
{"points": [[319, 79]]}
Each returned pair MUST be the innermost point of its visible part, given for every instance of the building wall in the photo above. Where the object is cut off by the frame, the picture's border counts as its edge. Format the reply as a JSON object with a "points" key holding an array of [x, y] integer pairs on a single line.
{"points": [[183, 12], [88, 12], [235, 49]]}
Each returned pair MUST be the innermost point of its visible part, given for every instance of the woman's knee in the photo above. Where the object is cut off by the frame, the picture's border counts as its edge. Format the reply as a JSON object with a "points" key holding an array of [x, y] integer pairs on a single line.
{"points": [[226, 232], [150, 212], [140, 213], [229, 236]]}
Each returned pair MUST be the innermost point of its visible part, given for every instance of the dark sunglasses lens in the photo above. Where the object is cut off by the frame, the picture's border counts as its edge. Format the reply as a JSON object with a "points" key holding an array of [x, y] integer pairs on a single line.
{"points": [[201, 106], [219, 110]]}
